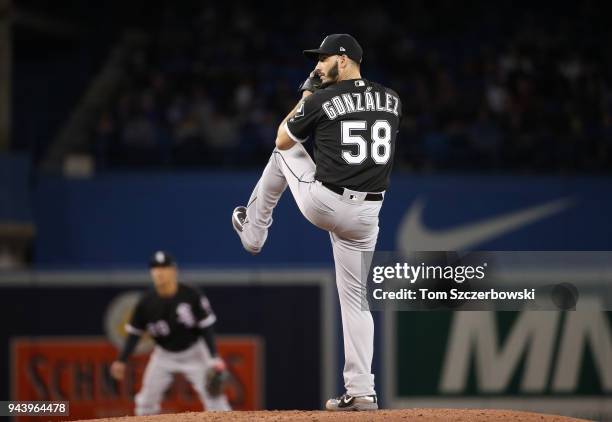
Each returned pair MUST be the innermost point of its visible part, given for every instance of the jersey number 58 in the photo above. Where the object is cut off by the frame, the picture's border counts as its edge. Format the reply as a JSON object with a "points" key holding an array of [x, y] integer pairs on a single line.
{"points": [[380, 148]]}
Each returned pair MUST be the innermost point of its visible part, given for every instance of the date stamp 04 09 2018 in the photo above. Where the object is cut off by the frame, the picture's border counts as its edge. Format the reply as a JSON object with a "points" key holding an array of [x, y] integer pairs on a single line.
{"points": [[34, 408]]}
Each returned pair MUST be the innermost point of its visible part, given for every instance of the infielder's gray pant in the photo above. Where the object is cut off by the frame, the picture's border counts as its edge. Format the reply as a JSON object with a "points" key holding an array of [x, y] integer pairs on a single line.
{"points": [[353, 226], [160, 371]]}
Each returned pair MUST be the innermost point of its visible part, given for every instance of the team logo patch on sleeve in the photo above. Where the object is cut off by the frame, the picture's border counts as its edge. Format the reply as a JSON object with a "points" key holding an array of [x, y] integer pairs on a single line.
{"points": [[300, 111]]}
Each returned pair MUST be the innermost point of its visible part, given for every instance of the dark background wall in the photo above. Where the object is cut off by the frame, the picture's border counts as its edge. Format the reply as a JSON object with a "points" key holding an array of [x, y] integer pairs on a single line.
{"points": [[97, 223]]}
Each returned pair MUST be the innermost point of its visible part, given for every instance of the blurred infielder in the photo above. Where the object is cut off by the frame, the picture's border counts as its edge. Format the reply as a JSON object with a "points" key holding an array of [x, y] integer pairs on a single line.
{"points": [[178, 317], [355, 123]]}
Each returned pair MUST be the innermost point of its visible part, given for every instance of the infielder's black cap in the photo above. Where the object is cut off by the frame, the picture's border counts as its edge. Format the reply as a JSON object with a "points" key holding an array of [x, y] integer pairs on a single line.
{"points": [[161, 259], [337, 44]]}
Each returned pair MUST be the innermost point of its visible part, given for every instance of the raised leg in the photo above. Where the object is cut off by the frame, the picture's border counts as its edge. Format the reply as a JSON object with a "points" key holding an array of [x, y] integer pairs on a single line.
{"points": [[293, 168]]}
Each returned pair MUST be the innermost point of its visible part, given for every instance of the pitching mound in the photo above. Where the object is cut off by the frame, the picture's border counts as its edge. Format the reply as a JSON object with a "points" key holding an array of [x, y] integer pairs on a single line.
{"points": [[465, 415]]}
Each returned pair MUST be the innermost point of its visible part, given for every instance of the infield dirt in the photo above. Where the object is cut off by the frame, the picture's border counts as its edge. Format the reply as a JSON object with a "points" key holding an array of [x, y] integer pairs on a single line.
{"points": [[421, 415]]}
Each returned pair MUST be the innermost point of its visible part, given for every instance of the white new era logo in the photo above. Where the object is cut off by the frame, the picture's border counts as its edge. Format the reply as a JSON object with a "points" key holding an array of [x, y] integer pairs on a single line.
{"points": [[342, 49]]}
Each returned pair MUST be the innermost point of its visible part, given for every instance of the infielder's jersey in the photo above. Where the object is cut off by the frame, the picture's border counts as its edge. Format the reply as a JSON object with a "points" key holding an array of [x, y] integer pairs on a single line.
{"points": [[174, 323], [355, 124]]}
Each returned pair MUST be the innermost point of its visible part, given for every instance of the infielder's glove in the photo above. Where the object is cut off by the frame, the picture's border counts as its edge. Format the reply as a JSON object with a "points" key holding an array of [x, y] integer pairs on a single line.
{"points": [[216, 376], [311, 84]]}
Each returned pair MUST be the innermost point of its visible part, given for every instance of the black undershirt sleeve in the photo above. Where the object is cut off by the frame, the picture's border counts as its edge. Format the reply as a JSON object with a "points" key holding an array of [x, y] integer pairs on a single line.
{"points": [[208, 334], [128, 347]]}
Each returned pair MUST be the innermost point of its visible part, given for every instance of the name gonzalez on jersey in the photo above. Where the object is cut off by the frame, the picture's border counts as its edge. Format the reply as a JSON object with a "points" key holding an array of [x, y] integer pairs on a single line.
{"points": [[340, 105]]}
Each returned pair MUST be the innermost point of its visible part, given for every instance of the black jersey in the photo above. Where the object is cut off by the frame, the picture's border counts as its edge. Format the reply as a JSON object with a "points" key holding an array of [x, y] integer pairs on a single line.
{"points": [[355, 124], [174, 323]]}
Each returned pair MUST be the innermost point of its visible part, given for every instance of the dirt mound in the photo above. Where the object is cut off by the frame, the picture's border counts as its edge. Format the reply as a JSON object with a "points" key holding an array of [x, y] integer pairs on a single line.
{"points": [[465, 415]]}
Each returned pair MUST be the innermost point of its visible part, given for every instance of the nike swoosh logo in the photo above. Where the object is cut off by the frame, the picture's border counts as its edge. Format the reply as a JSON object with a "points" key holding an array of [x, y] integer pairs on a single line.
{"points": [[414, 236], [347, 401]]}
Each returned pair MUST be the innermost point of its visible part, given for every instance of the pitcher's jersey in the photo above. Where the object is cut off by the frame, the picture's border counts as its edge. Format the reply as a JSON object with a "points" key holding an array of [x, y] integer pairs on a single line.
{"points": [[174, 323], [355, 124]]}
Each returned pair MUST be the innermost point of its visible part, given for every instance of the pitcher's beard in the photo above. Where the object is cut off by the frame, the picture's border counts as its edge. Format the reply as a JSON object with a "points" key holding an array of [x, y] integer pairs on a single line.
{"points": [[332, 75]]}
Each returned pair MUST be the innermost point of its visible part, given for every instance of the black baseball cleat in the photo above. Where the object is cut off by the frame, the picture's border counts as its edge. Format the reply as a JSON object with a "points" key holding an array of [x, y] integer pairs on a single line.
{"points": [[348, 403], [239, 219]]}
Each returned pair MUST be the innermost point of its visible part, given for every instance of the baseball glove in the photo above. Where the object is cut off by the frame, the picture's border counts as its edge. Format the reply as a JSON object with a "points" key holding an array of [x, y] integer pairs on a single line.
{"points": [[311, 84], [216, 376]]}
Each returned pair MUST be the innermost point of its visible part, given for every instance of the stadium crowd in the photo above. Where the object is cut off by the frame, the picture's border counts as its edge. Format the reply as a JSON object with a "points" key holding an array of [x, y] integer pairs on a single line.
{"points": [[483, 86]]}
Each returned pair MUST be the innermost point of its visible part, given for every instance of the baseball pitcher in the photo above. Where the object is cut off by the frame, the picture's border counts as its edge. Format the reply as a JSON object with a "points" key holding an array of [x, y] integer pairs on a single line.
{"points": [[354, 123]]}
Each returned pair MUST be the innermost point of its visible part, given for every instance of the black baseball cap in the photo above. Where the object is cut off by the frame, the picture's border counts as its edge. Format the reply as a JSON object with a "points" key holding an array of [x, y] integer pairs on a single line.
{"points": [[337, 44], [161, 259]]}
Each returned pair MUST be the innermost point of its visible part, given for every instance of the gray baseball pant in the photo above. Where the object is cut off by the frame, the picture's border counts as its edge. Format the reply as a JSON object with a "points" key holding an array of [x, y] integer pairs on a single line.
{"points": [[352, 224]]}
